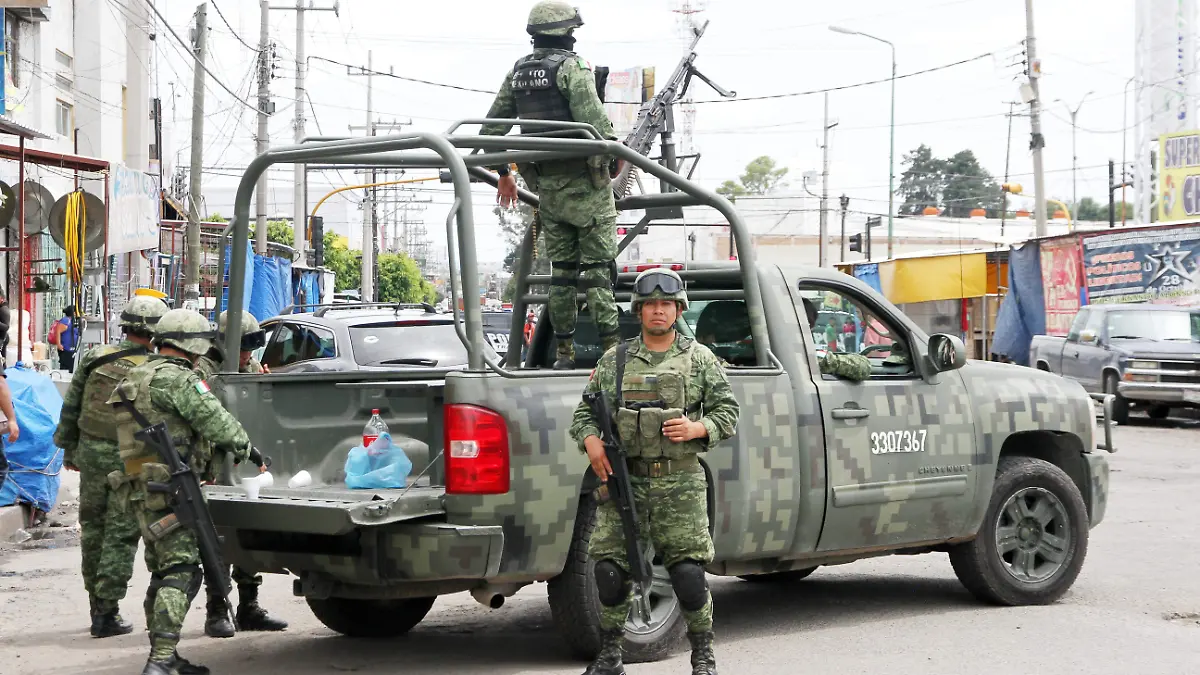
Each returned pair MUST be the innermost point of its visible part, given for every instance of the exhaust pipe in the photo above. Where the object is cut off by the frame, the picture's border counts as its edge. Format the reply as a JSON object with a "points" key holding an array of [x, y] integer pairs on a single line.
{"points": [[492, 596]]}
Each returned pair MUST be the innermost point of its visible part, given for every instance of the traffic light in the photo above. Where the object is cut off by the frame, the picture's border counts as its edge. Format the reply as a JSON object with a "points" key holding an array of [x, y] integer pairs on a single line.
{"points": [[1011, 188], [856, 241]]}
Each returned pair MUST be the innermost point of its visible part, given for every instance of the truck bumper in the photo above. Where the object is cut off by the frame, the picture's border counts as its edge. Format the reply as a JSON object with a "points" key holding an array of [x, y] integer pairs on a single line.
{"points": [[1155, 392], [1098, 492]]}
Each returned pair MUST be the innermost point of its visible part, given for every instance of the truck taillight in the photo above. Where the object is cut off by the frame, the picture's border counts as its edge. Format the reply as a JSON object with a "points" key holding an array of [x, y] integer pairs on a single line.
{"points": [[476, 450]]}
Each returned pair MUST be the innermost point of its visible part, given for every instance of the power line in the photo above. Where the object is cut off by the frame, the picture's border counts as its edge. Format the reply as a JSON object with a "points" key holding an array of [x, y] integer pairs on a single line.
{"points": [[368, 71], [188, 50], [231, 30]]}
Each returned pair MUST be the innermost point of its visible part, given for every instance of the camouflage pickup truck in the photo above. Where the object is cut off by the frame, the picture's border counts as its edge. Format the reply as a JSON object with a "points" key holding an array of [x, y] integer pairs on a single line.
{"points": [[996, 465]]}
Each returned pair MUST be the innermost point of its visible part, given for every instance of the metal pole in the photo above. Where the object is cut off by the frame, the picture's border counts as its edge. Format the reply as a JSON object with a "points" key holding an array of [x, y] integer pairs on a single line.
{"points": [[1037, 141], [298, 206], [822, 255], [892, 158], [191, 277], [1112, 207], [1074, 163], [22, 326], [368, 248], [845, 205], [1124, 133], [262, 142], [1007, 156]]}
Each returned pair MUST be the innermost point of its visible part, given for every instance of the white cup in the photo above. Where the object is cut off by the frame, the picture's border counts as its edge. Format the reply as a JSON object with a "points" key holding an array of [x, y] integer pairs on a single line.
{"points": [[265, 479], [302, 479], [251, 486]]}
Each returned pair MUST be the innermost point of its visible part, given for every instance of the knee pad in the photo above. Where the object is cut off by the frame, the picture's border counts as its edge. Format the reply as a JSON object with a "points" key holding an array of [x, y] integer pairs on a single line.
{"points": [[690, 585], [612, 583]]}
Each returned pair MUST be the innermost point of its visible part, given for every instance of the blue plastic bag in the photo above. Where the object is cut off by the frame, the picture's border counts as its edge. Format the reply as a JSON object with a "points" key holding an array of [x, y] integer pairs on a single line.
{"points": [[380, 465], [34, 461]]}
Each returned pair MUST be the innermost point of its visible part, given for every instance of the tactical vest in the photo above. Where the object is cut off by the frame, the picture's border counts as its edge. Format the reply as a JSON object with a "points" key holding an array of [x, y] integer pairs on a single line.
{"points": [[667, 383], [535, 88], [97, 418], [134, 452]]}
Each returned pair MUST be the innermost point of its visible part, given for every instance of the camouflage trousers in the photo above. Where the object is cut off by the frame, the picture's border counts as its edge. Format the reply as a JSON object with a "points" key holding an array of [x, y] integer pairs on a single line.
{"points": [[108, 531], [173, 558], [673, 511], [579, 222], [240, 577]]}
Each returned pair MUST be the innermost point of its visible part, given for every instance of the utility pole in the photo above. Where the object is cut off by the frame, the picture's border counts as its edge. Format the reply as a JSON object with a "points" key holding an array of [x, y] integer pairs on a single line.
{"points": [[845, 205], [823, 248], [1037, 141], [299, 207], [191, 273], [261, 142], [1007, 155]]}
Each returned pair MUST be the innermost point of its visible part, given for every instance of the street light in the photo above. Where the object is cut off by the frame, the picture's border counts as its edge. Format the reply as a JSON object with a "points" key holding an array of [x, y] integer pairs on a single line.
{"points": [[1074, 201], [892, 131]]}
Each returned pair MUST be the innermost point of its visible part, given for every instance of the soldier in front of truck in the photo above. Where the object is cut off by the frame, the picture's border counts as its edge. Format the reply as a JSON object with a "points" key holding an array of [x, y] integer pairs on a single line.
{"points": [[577, 210], [250, 616], [675, 402]]}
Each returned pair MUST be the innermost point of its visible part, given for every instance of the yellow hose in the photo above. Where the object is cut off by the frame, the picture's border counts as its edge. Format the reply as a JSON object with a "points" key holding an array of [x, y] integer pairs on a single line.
{"points": [[74, 236]]}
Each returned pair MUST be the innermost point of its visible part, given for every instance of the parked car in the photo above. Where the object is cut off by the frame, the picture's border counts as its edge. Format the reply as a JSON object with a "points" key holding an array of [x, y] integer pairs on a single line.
{"points": [[1148, 356]]}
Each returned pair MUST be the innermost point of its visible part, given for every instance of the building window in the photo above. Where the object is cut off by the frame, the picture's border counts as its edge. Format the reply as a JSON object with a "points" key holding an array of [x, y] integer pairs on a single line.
{"points": [[64, 119], [64, 60], [64, 79], [12, 46]]}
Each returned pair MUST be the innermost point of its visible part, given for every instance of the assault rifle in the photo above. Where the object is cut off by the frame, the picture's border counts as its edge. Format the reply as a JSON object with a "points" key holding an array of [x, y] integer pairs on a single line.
{"points": [[187, 502], [620, 491], [655, 116]]}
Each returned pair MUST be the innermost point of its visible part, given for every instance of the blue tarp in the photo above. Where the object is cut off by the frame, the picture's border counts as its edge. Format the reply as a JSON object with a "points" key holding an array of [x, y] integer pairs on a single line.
{"points": [[308, 292], [272, 286], [34, 461], [869, 275], [248, 285], [1023, 311]]}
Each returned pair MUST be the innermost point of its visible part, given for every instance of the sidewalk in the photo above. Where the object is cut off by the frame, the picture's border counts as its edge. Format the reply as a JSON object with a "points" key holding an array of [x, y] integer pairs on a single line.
{"points": [[13, 518]]}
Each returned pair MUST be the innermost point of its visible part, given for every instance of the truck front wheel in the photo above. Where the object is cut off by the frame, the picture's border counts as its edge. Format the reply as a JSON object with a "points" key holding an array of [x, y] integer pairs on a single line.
{"points": [[359, 618], [1033, 540], [576, 608], [1120, 403]]}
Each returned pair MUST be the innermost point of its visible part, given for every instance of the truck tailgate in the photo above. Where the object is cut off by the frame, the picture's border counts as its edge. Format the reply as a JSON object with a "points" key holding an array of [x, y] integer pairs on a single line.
{"points": [[331, 510]]}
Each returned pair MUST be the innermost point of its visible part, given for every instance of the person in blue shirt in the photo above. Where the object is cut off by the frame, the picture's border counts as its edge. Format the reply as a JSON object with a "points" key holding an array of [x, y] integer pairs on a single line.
{"points": [[67, 334]]}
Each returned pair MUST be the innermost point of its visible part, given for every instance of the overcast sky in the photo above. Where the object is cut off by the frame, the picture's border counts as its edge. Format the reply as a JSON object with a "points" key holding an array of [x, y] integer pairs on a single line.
{"points": [[755, 47]]}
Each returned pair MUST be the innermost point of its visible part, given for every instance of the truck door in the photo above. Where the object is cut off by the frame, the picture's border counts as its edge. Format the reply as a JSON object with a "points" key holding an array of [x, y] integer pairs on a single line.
{"points": [[899, 447], [1083, 352]]}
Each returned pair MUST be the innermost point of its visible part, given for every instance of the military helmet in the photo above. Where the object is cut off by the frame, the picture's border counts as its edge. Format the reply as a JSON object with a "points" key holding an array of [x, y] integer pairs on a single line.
{"points": [[253, 336], [658, 283], [185, 329], [143, 313], [553, 17]]}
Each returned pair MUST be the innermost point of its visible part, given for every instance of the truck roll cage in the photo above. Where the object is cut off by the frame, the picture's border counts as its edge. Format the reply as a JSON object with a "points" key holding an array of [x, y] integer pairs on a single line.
{"points": [[562, 141]]}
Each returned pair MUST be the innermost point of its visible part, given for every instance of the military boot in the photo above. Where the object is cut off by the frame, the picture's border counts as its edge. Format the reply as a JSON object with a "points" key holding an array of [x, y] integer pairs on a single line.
{"points": [[565, 354], [251, 615], [704, 662], [217, 623], [608, 661], [176, 666], [107, 623]]}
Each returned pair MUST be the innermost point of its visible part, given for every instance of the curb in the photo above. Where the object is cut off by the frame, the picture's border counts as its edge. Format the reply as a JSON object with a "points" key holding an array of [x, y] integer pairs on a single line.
{"points": [[12, 518]]}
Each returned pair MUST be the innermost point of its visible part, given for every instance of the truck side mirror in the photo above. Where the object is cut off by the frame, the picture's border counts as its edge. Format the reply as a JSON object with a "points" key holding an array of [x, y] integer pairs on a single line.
{"points": [[1087, 336], [946, 352]]}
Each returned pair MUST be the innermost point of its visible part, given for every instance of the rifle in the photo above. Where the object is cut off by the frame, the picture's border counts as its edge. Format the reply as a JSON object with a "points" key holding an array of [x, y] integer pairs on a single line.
{"points": [[655, 117], [187, 501], [620, 491]]}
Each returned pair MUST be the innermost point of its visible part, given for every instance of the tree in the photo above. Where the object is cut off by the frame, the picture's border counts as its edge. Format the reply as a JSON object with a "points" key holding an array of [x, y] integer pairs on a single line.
{"points": [[345, 263], [514, 222], [922, 182], [760, 178], [278, 231], [968, 186], [400, 280]]}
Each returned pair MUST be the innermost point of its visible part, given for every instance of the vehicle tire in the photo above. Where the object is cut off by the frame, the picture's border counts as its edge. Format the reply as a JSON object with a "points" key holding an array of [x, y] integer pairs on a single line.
{"points": [[1159, 412], [779, 577], [360, 618], [576, 608], [1120, 403], [1038, 510]]}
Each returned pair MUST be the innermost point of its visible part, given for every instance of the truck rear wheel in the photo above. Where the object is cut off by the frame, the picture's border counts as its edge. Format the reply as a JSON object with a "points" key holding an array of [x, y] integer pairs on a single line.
{"points": [[576, 608], [1033, 540], [360, 618]]}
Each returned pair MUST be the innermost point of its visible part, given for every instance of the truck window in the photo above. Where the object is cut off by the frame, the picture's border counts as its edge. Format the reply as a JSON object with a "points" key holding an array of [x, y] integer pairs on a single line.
{"points": [[848, 325], [293, 343], [1077, 325], [724, 327], [1095, 323]]}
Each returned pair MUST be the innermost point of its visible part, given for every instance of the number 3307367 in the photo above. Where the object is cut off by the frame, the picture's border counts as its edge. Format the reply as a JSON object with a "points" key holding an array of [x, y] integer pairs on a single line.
{"points": [[908, 440]]}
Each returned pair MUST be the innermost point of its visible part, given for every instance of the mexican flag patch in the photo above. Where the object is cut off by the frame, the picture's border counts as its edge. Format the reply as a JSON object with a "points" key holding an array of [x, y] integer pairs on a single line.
{"points": [[202, 387]]}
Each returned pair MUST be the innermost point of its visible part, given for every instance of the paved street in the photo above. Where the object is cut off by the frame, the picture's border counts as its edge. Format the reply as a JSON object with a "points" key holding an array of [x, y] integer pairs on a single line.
{"points": [[1134, 609]]}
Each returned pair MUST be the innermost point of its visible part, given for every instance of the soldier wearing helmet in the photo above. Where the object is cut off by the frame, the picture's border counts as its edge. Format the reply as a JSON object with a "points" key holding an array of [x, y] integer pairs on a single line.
{"points": [[87, 433], [576, 211], [250, 615], [672, 401], [165, 389]]}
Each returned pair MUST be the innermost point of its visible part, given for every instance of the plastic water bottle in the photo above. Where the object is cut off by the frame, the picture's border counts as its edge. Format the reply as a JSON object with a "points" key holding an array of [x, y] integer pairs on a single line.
{"points": [[375, 427]]}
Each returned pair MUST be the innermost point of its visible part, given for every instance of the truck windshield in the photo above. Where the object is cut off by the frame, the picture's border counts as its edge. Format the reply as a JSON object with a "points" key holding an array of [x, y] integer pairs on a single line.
{"points": [[1179, 325], [430, 343]]}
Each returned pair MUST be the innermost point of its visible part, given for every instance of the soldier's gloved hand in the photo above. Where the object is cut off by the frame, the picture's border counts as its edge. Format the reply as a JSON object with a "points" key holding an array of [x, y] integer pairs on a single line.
{"points": [[261, 461]]}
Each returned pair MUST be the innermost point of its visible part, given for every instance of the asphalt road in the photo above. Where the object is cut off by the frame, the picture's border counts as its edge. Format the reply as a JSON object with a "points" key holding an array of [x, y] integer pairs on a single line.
{"points": [[1134, 609]]}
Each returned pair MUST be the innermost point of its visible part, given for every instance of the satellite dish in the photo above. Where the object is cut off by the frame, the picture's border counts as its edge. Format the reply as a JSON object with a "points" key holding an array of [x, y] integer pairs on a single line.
{"points": [[38, 201], [94, 232], [8, 202]]}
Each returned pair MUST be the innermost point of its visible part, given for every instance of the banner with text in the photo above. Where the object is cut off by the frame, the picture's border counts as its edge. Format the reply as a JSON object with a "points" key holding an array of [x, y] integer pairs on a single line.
{"points": [[133, 209], [1060, 284], [1160, 266]]}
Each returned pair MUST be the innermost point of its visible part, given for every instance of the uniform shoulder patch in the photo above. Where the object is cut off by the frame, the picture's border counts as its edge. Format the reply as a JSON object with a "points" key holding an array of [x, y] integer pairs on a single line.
{"points": [[202, 387], [583, 63]]}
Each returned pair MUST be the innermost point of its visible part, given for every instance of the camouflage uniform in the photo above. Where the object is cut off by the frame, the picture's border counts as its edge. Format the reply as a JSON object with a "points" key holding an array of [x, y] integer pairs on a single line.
{"points": [[668, 481], [166, 389], [250, 615], [577, 211], [854, 367], [87, 433]]}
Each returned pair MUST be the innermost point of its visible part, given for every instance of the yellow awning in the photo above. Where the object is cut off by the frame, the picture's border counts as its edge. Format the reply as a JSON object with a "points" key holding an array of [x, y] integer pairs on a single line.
{"points": [[948, 277]]}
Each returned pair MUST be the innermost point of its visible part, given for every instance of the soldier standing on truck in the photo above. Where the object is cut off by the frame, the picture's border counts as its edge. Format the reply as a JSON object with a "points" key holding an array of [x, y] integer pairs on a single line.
{"points": [[577, 211], [696, 409], [87, 433], [250, 615], [166, 389]]}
